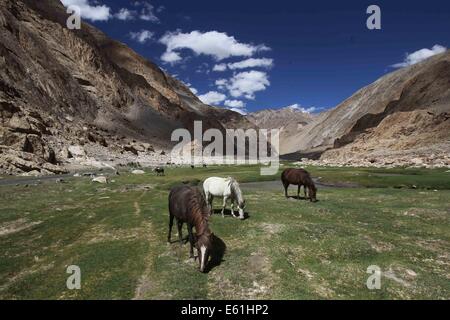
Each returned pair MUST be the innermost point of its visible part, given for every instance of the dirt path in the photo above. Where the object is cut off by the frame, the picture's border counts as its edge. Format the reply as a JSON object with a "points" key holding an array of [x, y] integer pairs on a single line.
{"points": [[137, 207]]}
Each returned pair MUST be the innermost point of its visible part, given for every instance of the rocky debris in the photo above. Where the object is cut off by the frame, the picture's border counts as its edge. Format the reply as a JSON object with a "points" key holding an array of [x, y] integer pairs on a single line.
{"points": [[33, 173], [425, 145], [136, 148], [389, 160], [16, 162]]}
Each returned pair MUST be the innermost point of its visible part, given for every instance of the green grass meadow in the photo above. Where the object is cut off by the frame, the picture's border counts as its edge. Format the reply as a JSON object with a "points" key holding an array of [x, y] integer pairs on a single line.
{"points": [[397, 219]]}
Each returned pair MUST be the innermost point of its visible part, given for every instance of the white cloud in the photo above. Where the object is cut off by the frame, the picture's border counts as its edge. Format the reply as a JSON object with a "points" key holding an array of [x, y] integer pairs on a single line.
{"points": [[212, 98], [251, 63], [147, 12], [299, 108], [245, 84], [125, 14], [88, 11], [203, 68], [171, 57], [243, 112], [216, 44], [142, 36], [235, 104], [222, 84], [91, 10], [420, 55], [220, 67]]}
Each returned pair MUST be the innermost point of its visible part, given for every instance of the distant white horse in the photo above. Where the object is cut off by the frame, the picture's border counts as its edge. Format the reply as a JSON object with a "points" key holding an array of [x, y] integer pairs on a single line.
{"points": [[227, 188]]}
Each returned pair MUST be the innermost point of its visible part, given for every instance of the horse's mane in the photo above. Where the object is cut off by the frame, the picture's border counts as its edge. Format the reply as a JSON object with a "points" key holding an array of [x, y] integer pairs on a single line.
{"points": [[236, 190], [200, 212]]}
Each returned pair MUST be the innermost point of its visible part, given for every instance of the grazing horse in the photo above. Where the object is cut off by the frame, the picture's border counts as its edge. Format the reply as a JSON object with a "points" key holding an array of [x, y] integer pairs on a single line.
{"points": [[188, 205], [299, 177], [159, 171], [227, 189]]}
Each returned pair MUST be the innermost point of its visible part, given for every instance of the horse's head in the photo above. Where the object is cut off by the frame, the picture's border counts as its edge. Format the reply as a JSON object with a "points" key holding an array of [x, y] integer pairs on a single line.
{"points": [[239, 198], [241, 206], [204, 248]]}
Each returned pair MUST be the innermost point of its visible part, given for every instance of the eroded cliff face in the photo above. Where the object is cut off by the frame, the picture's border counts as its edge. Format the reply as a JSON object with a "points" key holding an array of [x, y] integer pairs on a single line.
{"points": [[290, 121], [62, 88], [402, 116]]}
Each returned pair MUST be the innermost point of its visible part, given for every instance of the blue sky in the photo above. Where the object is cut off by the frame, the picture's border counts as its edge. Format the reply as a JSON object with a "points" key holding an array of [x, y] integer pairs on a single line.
{"points": [[312, 54]]}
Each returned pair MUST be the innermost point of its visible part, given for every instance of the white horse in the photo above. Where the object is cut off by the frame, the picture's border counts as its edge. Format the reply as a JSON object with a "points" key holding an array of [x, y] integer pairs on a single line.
{"points": [[228, 188]]}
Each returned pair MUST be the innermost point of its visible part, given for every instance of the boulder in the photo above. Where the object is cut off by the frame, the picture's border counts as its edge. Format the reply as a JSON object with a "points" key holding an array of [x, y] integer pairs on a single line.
{"points": [[77, 151], [101, 180], [137, 172]]}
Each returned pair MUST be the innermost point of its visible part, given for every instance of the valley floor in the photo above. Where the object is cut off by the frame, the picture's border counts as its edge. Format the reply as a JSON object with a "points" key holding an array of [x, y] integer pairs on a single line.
{"points": [[397, 219]]}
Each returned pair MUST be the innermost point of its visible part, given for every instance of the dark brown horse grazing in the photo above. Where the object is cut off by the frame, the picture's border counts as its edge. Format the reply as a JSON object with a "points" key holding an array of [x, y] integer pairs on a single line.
{"points": [[188, 205], [299, 177], [159, 171]]}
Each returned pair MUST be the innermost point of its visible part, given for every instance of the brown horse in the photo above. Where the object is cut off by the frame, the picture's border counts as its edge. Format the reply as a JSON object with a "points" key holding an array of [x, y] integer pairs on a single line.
{"points": [[188, 205], [299, 177]]}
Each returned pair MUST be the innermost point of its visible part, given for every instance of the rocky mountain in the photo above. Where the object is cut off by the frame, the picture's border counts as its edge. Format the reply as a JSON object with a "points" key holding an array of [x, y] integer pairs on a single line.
{"points": [[402, 118], [78, 97], [289, 120]]}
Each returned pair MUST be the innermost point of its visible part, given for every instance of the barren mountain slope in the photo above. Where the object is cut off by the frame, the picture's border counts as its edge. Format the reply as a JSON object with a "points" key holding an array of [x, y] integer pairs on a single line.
{"points": [[78, 88], [404, 107], [289, 120]]}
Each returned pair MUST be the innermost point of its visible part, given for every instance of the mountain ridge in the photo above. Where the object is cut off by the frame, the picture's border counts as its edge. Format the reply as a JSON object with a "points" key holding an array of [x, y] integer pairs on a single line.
{"points": [[419, 91]]}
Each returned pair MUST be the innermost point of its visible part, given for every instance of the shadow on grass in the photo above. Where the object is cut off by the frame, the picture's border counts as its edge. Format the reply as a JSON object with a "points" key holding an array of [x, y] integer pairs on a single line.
{"points": [[229, 214], [217, 253], [300, 198]]}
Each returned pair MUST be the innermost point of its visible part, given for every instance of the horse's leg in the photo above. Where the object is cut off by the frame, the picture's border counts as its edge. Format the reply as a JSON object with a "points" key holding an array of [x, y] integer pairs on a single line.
{"points": [[170, 228], [209, 200], [224, 206], [191, 241], [286, 186], [180, 232], [211, 204], [298, 191], [232, 209]]}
